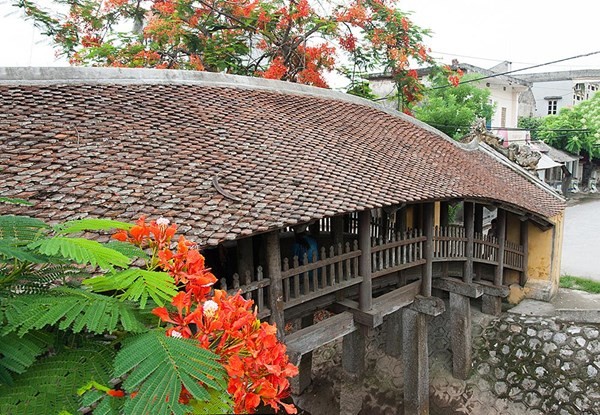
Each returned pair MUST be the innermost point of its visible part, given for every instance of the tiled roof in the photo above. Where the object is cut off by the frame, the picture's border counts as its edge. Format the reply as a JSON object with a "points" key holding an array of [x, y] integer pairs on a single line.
{"points": [[229, 160]]}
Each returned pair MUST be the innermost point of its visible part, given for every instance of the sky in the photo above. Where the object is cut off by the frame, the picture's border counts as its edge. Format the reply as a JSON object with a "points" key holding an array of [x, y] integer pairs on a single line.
{"points": [[479, 32]]}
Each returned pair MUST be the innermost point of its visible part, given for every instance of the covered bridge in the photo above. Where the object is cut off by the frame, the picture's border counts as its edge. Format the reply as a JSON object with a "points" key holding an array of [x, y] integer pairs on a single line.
{"points": [[238, 162]]}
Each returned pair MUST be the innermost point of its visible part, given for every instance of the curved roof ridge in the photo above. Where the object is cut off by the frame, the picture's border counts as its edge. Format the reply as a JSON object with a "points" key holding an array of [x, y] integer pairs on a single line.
{"points": [[144, 76]]}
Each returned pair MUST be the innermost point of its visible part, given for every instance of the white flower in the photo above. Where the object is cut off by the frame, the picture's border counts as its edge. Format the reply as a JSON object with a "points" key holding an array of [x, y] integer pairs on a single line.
{"points": [[210, 308], [176, 334], [162, 221]]}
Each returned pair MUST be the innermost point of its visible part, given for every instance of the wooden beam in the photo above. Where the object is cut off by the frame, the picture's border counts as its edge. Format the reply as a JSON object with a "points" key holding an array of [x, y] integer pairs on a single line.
{"points": [[428, 254], [310, 338], [394, 300], [273, 258], [364, 244], [469, 223], [371, 318], [494, 290], [453, 285]]}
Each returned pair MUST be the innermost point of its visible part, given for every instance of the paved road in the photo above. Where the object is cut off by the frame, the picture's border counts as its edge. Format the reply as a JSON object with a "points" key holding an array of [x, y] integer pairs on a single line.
{"points": [[581, 243]]}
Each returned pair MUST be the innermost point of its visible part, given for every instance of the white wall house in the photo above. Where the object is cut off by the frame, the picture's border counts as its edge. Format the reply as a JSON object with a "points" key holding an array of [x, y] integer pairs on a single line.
{"points": [[553, 91], [505, 92]]}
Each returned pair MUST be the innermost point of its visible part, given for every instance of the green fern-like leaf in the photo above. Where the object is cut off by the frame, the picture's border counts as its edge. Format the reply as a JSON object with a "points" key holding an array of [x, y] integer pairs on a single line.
{"points": [[68, 308], [137, 285], [158, 365], [41, 279], [18, 353], [22, 228], [127, 249], [220, 402], [82, 251], [75, 226], [11, 249], [50, 385]]}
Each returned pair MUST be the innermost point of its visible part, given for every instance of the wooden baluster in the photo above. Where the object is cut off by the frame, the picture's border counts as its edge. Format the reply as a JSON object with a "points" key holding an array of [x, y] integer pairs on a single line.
{"points": [[296, 279], [305, 279], [355, 260], [333, 277], [420, 232], [323, 270], [236, 282], [286, 281], [248, 281], [348, 272], [314, 275], [393, 251], [404, 247], [380, 265], [410, 247], [260, 301], [340, 266]]}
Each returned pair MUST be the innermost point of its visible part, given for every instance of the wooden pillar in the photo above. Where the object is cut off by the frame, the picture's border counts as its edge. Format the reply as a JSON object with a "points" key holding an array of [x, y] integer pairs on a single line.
{"points": [[365, 298], [416, 362], [477, 269], [493, 304], [337, 231], [469, 224], [501, 219], [461, 336], [525, 243], [428, 254], [245, 257], [273, 259]]}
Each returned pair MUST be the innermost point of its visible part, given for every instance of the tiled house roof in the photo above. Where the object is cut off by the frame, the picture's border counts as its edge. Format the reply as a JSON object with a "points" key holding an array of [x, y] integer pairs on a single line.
{"points": [[226, 156]]}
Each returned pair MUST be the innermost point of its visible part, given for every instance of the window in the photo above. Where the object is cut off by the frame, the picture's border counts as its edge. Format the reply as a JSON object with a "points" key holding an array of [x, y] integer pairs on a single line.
{"points": [[552, 104], [503, 117]]}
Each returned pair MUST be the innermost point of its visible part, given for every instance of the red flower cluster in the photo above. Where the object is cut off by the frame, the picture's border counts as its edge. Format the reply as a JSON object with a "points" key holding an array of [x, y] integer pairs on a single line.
{"points": [[255, 360]]}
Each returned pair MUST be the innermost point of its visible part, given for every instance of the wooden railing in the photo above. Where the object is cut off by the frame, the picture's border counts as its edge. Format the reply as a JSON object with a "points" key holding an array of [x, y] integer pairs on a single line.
{"points": [[403, 250], [449, 243], [329, 272], [336, 268], [514, 256], [485, 249]]}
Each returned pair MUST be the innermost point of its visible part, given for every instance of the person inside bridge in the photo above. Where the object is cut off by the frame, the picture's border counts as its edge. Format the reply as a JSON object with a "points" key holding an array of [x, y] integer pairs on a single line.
{"points": [[304, 244]]}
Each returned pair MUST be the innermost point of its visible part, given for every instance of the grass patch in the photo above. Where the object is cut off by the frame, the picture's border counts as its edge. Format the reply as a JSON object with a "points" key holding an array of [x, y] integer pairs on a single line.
{"points": [[578, 283]]}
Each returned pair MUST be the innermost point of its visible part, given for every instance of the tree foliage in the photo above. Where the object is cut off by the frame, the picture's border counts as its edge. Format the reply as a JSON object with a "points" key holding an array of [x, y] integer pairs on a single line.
{"points": [[452, 107], [291, 40], [576, 130]]}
